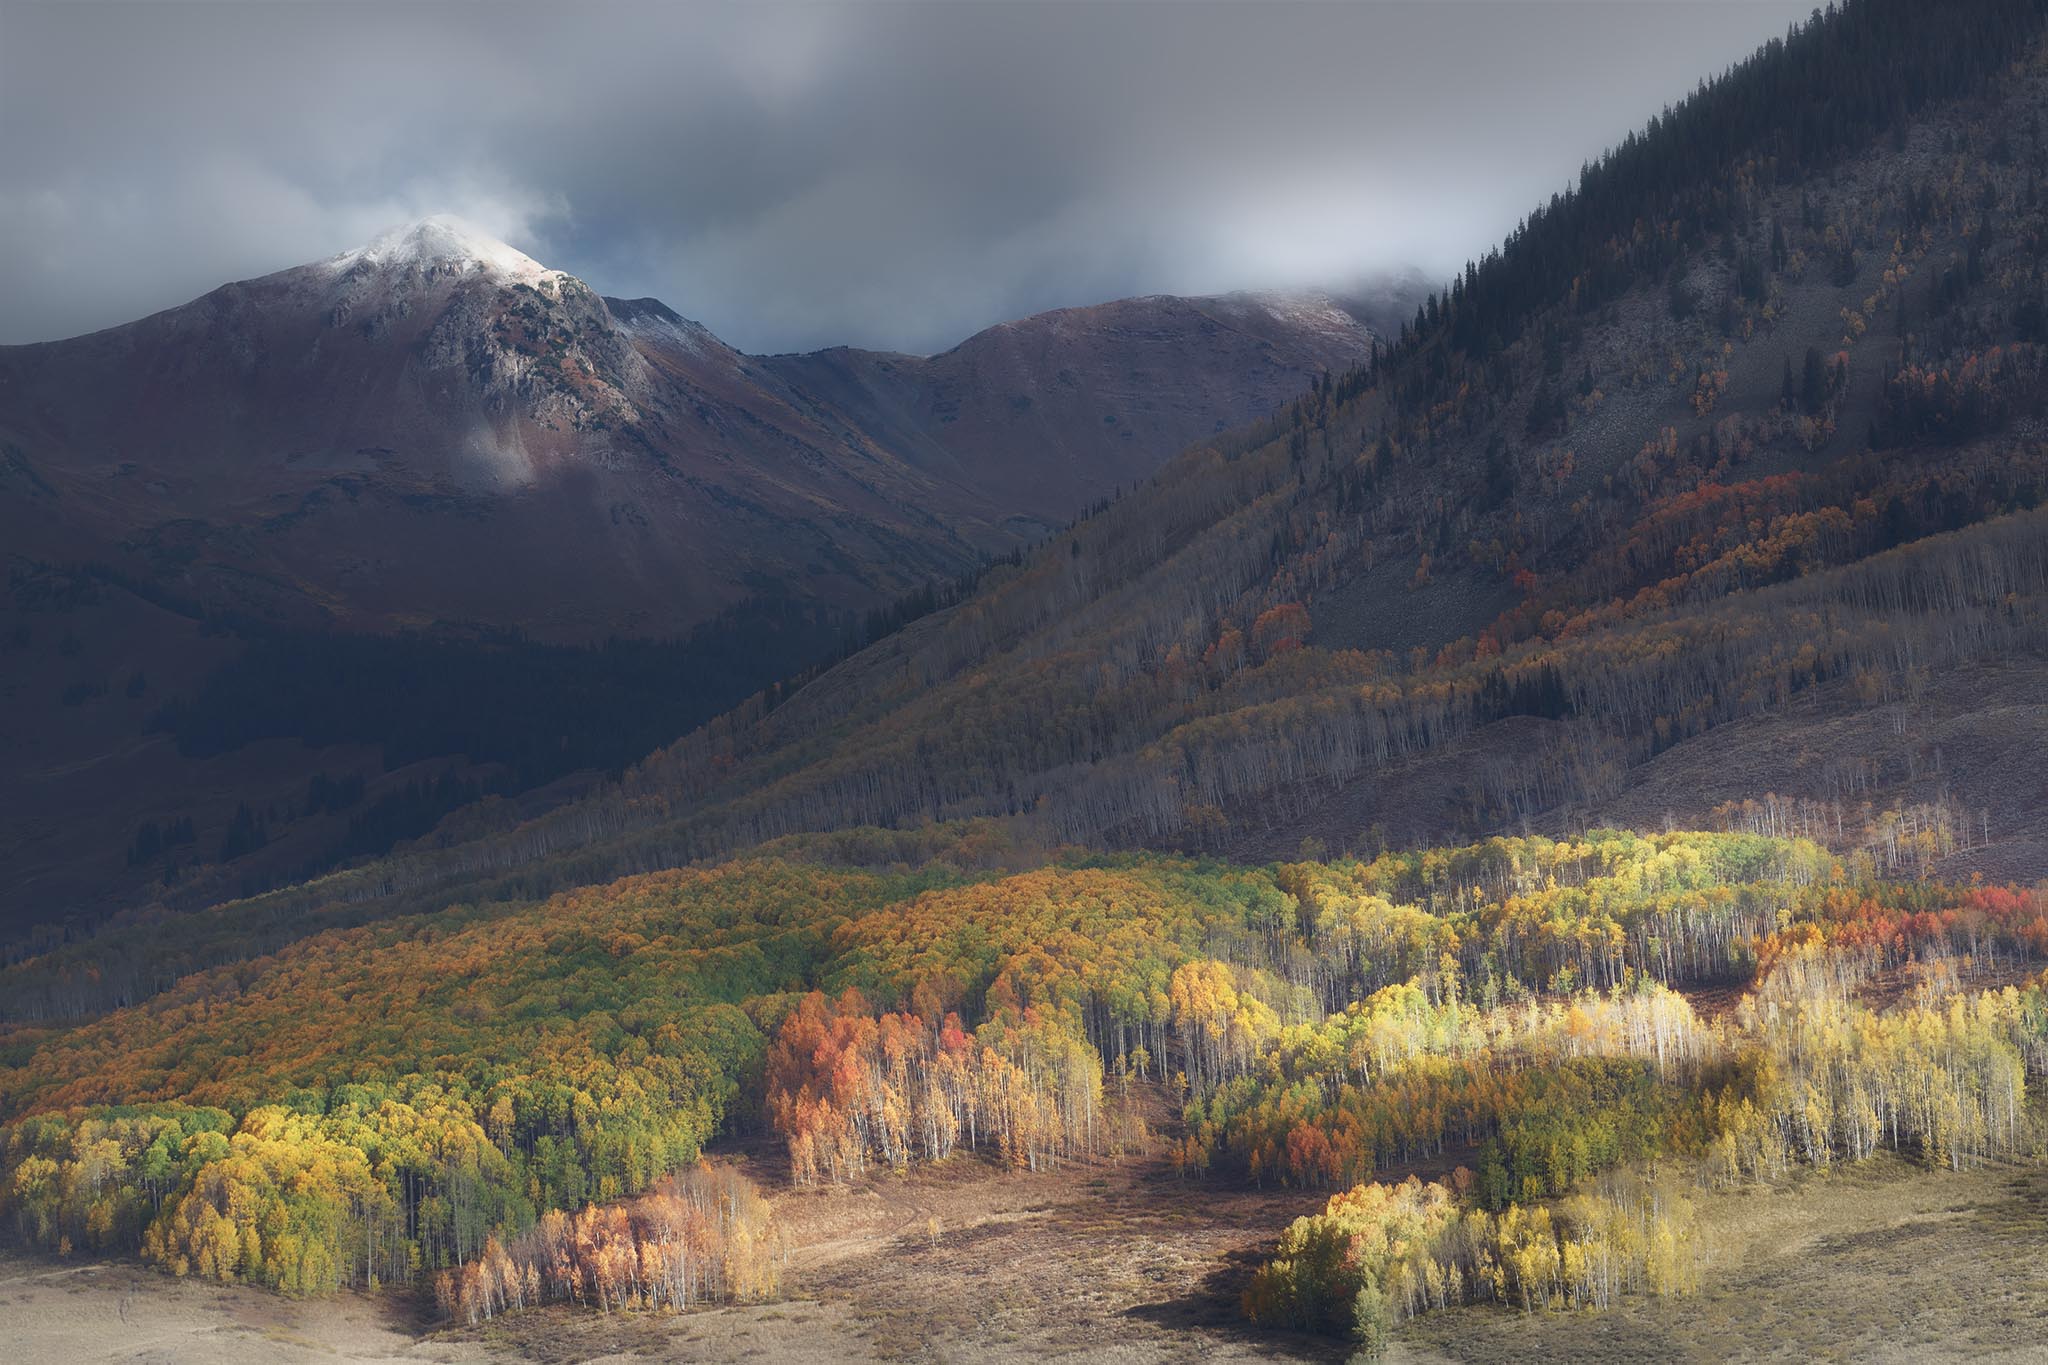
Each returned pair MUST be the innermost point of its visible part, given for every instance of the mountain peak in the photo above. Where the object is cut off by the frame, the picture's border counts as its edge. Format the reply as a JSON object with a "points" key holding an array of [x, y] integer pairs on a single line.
{"points": [[443, 241]]}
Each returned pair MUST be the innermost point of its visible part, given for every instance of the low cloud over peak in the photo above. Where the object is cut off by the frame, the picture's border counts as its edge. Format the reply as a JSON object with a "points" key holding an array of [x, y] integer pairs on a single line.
{"points": [[893, 176]]}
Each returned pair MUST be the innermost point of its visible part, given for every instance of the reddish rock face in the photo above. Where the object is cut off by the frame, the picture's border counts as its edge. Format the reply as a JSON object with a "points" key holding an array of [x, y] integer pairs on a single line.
{"points": [[436, 428]]}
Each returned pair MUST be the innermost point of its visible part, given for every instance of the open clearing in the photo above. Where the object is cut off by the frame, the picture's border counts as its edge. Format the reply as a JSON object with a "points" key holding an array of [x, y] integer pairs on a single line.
{"points": [[1127, 1263], [1877, 1262]]}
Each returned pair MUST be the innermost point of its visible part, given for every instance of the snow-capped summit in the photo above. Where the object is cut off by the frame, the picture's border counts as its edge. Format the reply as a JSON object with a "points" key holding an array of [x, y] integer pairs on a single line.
{"points": [[447, 242]]}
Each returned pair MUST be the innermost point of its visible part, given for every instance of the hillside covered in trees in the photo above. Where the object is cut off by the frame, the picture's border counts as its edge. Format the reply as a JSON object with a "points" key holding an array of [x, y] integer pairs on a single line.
{"points": [[479, 1096], [1571, 768]]}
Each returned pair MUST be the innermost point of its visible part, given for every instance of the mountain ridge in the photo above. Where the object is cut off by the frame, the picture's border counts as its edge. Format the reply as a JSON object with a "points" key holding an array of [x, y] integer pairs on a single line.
{"points": [[437, 360], [436, 440]]}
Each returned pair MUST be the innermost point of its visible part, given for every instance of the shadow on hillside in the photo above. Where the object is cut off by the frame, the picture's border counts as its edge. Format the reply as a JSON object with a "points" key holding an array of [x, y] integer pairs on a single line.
{"points": [[408, 1310], [1212, 1308]]}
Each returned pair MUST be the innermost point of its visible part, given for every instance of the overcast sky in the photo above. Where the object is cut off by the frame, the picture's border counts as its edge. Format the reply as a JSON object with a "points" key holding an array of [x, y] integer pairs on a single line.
{"points": [[796, 176]]}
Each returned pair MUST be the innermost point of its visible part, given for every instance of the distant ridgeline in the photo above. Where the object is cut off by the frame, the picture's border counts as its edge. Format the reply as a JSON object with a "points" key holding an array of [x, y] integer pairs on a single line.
{"points": [[450, 1093]]}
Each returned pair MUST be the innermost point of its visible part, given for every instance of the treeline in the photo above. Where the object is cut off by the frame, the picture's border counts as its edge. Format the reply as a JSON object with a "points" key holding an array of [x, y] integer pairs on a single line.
{"points": [[373, 1104], [298, 1202], [1944, 1076], [848, 1089], [1817, 1076], [1906, 841], [1332, 1031], [1378, 1255], [1538, 1096], [699, 1237]]}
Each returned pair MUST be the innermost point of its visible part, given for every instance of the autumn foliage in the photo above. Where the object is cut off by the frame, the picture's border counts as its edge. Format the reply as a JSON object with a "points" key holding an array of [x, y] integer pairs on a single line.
{"points": [[702, 1236], [1380, 1254], [849, 1089], [490, 1100]]}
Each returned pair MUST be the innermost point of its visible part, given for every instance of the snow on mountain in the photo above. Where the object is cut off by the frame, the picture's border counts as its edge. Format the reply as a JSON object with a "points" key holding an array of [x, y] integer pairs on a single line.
{"points": [[435, 426], [1297, 313], [443, 242]]}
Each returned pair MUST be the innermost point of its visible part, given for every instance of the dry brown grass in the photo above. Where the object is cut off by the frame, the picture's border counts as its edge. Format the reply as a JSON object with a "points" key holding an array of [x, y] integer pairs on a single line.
{"points": [[1881, 1261], [77, 1312]]}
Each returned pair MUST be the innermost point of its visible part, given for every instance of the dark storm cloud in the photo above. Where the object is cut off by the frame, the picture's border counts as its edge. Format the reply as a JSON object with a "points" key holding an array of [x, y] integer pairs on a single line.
{"points": [[801, 175]]}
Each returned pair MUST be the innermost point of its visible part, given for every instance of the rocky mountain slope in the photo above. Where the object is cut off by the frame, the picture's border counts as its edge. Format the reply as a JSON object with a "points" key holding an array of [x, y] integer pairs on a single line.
{"points": [[1084, 400], [435, 428], [364, 520]]}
